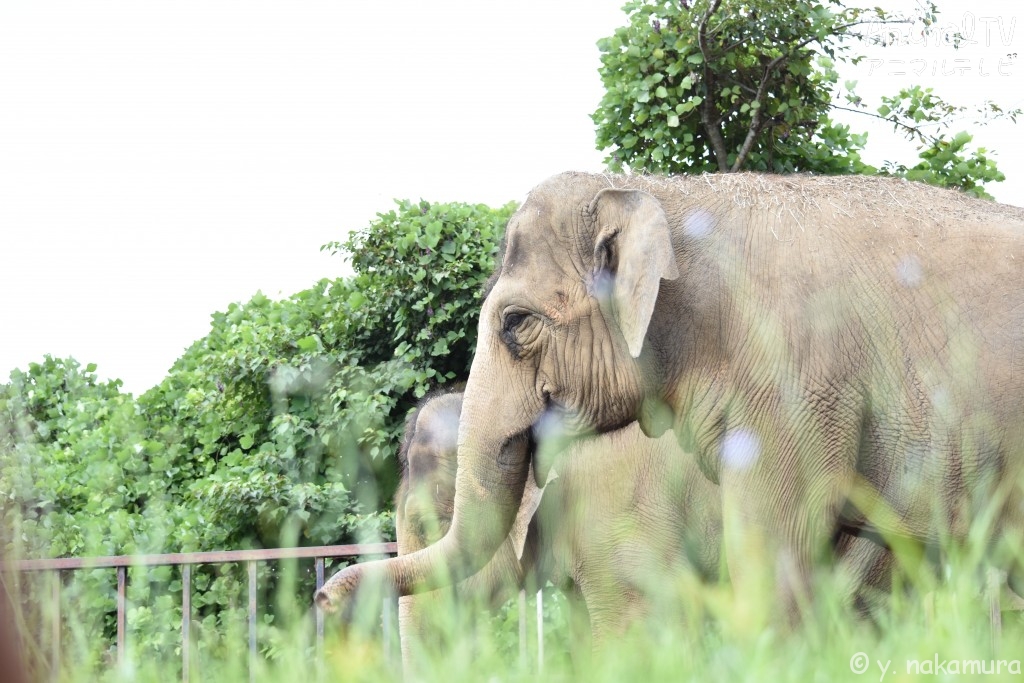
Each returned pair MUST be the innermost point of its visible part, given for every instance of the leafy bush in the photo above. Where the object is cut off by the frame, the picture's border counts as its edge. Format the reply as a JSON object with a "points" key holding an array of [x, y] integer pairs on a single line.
{"points": [[278, 428]]}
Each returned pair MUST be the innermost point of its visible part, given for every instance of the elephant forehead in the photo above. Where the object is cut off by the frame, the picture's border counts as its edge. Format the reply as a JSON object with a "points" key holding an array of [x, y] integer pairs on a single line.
{"points": [[541, 238], [429, 462], [439, 435], [546, 288], [440, 416]]}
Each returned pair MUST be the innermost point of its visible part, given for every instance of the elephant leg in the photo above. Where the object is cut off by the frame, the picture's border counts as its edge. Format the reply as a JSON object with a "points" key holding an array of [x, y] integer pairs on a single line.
{"points": [[606, 621], [785, 473], [867, 567], [1008, 546], [579, 629], [769, 556], [608, 601]]}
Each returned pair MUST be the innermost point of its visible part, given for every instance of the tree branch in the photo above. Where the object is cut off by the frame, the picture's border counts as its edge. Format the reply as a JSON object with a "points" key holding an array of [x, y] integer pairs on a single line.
{"points": [[893, 120], [755, 119], [708, 116]]}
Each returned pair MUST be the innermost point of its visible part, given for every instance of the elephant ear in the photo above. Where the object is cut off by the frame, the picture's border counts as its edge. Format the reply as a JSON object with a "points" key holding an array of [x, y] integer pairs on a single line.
{"points": [[632, 254]]}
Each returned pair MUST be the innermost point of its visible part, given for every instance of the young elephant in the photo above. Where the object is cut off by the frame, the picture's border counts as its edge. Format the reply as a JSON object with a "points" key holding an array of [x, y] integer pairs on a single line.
{"points": [[607, 541], [621, 519], [423, 511]]}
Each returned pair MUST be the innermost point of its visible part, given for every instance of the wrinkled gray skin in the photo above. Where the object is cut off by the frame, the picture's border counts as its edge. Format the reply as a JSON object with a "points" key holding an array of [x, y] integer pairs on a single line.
{"points": [[424, 503], [832, 350], [621, 519], [619, 515]]}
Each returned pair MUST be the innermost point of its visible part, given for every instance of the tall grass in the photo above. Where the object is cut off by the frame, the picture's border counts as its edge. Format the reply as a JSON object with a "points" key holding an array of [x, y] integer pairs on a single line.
{"points": [[935, 624]]}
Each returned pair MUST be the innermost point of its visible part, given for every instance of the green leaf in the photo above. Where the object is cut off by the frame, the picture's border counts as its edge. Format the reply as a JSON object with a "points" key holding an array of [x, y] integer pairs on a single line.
{"points": [[310, 344], [356, 299]]}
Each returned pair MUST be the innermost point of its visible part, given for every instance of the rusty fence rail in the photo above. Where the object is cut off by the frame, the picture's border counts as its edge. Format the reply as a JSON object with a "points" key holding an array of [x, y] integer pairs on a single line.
{"points": [[185, 561]]}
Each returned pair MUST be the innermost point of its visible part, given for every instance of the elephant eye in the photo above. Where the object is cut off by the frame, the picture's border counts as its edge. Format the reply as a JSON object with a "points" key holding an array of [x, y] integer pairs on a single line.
{"points": [[509, 325], [512, 321]]}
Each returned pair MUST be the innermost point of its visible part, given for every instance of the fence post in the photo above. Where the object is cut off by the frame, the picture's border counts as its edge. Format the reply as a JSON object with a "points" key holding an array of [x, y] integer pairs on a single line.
{"points": [[318, 564], [522, 628], [252, 619], [540, 632], [122, 580], [55, 627], [995, 580], [186, 619]]}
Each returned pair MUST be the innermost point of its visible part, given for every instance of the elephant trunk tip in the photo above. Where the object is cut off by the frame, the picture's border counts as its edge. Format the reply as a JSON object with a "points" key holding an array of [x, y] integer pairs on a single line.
{"points": [[323, 601], [338, 590]]}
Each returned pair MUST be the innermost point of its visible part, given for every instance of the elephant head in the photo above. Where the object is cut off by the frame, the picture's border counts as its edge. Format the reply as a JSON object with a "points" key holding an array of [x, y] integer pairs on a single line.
{"points": [[562, 329], [561, 337]]}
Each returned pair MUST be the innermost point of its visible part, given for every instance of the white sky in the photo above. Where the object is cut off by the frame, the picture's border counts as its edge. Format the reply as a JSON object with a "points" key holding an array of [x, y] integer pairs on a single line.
{"points": [[159, 160]]}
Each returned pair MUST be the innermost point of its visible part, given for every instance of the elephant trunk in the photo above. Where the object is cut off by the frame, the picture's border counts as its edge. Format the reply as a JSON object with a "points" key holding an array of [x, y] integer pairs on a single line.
{"points": [[489, 489], [493, 466], [424, 617]]}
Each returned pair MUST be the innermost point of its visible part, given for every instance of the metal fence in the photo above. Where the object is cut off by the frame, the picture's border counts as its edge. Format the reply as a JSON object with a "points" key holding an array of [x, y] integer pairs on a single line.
{"points": [[185, 561]]}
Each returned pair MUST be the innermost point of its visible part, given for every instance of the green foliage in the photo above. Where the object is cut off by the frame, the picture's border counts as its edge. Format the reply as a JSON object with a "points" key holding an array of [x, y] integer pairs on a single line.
{"points": [[422, 269], [945, 161], [719, 86], [724, 85], [75, 449], [278, 428]]}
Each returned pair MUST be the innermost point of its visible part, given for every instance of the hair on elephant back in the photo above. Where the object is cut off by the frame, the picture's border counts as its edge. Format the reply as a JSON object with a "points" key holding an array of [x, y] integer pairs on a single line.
{"points": [[835, 352]]}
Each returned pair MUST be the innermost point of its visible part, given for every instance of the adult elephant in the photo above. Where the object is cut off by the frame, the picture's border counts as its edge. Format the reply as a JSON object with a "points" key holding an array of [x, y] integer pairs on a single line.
{"points": [[835, 351]]}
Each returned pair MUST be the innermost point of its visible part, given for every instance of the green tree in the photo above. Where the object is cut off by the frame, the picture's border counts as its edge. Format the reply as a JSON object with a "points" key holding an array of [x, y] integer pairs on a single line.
{"points": [[278, 427], [729, 85], [81, 477]]}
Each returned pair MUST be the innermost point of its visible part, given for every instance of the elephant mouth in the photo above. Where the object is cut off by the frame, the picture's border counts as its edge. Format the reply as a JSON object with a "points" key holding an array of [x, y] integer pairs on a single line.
{"points": [[557, 423], [561, 424]]}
